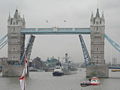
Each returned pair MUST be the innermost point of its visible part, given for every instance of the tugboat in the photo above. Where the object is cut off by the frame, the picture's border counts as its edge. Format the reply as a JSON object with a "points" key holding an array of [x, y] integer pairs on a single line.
{"points": [[58, 71]]}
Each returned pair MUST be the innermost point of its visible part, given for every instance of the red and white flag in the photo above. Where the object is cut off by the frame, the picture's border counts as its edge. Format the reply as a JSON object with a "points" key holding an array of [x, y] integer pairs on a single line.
{"points": [[26, 64], [24, 73], [22, 81]]}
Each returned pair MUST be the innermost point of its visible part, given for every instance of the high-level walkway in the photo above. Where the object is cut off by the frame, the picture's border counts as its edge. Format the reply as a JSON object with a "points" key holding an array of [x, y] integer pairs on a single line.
{"points": [[55, 30]]}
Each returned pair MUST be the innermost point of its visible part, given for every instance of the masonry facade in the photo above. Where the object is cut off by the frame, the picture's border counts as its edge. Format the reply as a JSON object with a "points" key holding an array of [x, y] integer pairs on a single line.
{"points": [[15, 44], [15, 38], [97, 26]]}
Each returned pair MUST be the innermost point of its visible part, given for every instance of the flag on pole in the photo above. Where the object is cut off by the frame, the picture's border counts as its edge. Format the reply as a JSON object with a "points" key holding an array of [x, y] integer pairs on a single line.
{"points": [[24, 73]]}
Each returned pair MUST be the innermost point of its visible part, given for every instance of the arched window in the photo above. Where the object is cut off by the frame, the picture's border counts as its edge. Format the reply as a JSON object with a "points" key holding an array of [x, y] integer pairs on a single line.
{"points": [[96, 22], [17, 22], [13, 49], [97, 49], [13, 29], [13, 23], [97, 28]]}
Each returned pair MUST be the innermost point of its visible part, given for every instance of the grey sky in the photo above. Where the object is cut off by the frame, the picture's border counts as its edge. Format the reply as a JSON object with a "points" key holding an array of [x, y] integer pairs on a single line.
{"points": [[77, 14]]}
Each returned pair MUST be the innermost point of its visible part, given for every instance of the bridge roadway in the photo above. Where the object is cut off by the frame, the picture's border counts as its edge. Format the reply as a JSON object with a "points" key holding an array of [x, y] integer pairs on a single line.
{"points": [[55, 31]]}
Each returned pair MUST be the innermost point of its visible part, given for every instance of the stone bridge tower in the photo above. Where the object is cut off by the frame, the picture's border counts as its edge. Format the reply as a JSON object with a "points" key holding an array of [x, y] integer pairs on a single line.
{"points": [[97, 38], [15, 45], [98, 67]]}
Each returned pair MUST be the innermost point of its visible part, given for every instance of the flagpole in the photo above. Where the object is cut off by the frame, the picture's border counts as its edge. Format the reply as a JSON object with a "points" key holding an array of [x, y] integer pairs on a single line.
{"points": [[22, 78]]}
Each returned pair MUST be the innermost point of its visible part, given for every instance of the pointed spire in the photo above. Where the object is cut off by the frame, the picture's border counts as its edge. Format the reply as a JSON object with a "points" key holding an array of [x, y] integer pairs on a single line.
{"points": [[102, 18], [23, 18], [92, 15], [16, 14], [97, 14], [9, 16], [92, 18], [103, 15]]}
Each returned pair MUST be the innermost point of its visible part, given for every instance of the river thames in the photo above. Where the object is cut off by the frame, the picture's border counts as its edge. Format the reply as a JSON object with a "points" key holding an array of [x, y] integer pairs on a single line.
{"points": [[45, 81]]}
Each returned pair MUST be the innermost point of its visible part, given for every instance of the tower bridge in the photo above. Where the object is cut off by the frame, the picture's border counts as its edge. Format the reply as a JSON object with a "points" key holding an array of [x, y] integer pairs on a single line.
{"points": [[16, 43]]}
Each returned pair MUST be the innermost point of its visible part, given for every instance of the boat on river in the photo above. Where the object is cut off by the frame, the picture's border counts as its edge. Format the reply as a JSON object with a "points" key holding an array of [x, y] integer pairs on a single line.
{"points": [[65, 68], [94, 81], [68, 67], [58, 71]]}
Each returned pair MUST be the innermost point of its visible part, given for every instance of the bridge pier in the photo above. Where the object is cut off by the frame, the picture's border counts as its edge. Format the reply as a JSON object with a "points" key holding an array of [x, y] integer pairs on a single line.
{"points": [[98, 71], [12, 71]]}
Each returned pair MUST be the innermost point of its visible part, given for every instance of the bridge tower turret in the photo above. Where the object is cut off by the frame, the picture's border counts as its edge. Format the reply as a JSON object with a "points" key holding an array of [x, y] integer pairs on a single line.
{"points": [[15, 45], [98, 67]]}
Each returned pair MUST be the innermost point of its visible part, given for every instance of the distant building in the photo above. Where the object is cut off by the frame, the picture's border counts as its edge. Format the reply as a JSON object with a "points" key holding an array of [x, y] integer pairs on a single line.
{"points": [[38, 63], [51, 62]]}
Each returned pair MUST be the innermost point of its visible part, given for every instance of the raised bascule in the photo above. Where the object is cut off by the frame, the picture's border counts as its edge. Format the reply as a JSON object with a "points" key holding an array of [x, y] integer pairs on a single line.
{"points": [[16, 44]]}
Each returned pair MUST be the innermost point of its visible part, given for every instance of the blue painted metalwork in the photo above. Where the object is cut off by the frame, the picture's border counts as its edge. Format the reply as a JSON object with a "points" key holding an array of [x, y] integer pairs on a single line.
{"points": [[113, 43], [85, 51], [28, 49], [3, 41], [55, 30], [3, 38], [3, 44]]}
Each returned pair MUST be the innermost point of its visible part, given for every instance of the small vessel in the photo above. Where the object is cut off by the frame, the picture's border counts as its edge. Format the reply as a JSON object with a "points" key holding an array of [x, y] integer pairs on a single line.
{"points": [[85, 83], [94, 81], [58, 71]]}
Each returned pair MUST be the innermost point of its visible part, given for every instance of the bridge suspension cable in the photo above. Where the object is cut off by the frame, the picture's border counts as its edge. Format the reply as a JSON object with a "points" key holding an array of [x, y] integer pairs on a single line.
{"points": [[3, 44], [3, 41], [113, 43], [2, 38]]}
